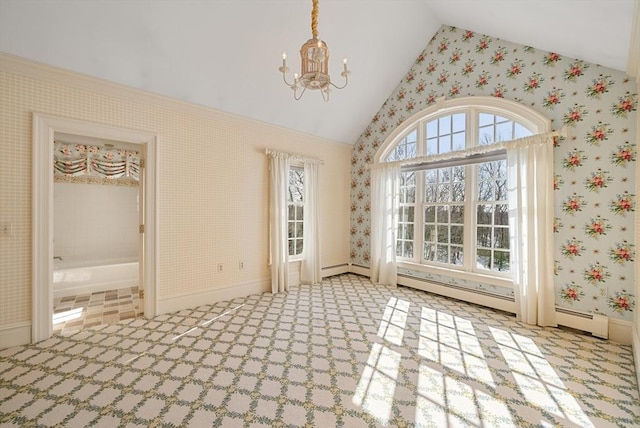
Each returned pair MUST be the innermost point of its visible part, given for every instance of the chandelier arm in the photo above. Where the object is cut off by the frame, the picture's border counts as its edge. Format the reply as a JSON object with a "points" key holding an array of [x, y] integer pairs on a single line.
{"points": [[284, 79], [346, 82], [304, 88]]}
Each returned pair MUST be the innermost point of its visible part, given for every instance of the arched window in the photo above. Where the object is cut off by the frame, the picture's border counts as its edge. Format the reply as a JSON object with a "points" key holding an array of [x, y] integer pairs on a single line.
{"points": [[453, 213]]}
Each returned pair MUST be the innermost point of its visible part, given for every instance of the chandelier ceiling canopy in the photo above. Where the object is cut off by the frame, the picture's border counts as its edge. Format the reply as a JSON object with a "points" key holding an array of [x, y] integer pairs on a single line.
{"points": [[314, 68]]}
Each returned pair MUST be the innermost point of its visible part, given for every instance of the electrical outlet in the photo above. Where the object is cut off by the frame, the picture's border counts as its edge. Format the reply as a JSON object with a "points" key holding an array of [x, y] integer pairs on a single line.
{"points": [[240, 265], [220, 267], [5, 229]]}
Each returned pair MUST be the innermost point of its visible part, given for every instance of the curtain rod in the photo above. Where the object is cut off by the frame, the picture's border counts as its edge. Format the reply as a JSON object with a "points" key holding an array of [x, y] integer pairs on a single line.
{"points": [[293, 156]]}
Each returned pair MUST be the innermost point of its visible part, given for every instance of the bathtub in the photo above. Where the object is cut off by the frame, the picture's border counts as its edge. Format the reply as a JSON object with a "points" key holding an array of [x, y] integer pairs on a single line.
{"points": [[73, 278]]}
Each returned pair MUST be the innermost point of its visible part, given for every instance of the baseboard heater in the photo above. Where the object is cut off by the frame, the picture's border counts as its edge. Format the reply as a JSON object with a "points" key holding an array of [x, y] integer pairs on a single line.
{"points": [[596, 324]]}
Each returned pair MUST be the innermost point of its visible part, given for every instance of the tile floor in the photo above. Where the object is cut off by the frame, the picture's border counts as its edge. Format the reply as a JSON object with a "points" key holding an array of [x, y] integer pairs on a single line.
{"points": [[74, 313]]}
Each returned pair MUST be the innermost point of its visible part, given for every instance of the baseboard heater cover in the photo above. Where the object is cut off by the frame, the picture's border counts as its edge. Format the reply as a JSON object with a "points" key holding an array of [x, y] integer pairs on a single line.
{"points": [[458, 287], [596, 324]]}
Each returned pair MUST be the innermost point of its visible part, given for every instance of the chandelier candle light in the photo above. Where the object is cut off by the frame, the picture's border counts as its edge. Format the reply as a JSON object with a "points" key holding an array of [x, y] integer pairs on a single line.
{"points": [[314, 72]]}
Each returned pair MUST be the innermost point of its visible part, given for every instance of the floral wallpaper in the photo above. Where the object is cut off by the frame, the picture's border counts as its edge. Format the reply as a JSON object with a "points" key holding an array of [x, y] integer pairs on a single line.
{"points": [[594, 176]]}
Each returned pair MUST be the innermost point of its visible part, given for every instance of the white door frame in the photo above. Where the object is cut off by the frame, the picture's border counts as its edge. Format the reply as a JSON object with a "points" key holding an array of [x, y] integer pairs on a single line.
{"points": [[44, 128]]}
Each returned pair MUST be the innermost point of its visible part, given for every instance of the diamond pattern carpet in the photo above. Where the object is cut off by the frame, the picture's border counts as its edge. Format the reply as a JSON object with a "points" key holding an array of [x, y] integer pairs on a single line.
{"points": [[343, 353]]}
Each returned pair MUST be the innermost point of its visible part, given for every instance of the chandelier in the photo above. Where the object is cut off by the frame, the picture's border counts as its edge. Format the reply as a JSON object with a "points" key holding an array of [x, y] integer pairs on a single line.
{"points": [[314, 71]]}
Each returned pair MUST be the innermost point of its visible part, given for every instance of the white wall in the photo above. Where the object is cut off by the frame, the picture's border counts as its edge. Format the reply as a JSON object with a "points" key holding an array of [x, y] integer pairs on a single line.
{"points": [[95, 222]]}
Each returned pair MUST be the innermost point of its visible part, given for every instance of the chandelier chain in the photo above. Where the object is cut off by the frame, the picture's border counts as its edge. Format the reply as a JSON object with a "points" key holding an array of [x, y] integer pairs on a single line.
{"points": [[314, 19]]}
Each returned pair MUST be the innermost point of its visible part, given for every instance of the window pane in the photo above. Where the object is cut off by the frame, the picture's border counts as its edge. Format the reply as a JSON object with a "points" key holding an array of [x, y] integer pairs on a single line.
{"points": [[485, 119], [485, 135], [520, 131], [459, 173], [501, 261], [299, 212], [501, 214], [408, 249], [443, 193], [432, 129], [443, 253], [483, 259], [459, 122], [485, 191], [457, 192], [292, 230], [443, 234], [299, 226], [399, 248], [431, 194], [484, 214], [430, 233], [410, 213], [457, 214], [444, 144], [458, 141], [430, 214], [457, 255], [429, 251], [504, 131], [484, 237], [501, 238], [444, 175], [292, 212], [457, 234], [432, 146], [431, 176], [409, 231], [445, 125], [411, 195], [501, 190], [443, 214]]}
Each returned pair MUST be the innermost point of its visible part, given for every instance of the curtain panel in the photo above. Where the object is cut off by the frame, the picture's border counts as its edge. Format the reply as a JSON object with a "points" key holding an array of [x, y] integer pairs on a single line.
{"points": [[311, 267], [531, 214], [385, 199], [311, 270], [278, 214]]}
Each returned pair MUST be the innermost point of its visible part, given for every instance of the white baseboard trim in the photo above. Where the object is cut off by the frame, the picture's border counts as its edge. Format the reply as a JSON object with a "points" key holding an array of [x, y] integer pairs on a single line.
{"points": [[16, 334], [192, 300], [635, 333], [360, 270], [335, 270]]}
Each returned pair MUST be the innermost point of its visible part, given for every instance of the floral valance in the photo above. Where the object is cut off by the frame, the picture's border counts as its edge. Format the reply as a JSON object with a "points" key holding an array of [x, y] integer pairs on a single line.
{"points": [[85, 163]]}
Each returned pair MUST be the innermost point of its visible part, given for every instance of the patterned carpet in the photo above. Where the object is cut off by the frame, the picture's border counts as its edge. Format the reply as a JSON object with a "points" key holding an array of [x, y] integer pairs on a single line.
{"points": [[343, 353]]}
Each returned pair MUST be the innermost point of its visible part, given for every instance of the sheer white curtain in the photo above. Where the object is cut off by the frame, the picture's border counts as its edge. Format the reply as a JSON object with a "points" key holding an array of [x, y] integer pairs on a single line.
{"points": [[530, 196], [385, 189], [310, 271], [278, 242]]}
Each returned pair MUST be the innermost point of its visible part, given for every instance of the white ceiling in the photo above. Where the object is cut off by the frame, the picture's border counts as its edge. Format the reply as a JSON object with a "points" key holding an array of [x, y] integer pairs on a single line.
{"points": [[225, 54]]}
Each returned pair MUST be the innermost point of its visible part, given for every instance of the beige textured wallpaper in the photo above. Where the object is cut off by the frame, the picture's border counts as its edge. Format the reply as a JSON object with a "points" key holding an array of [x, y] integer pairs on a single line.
{"points": [[213, 181]]}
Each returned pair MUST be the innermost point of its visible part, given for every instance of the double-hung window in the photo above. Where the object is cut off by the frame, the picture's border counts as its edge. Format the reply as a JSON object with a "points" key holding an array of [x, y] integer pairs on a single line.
{"points": [[453, 213], [295, 205]]}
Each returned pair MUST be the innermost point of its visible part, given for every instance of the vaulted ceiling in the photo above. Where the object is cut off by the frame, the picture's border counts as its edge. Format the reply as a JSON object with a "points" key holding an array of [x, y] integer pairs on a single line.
{"points": [[225, 54]]}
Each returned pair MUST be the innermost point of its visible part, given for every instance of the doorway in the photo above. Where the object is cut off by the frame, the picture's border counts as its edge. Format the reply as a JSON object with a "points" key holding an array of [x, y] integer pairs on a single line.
{"points": [[96, 213], [45, 128]]}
